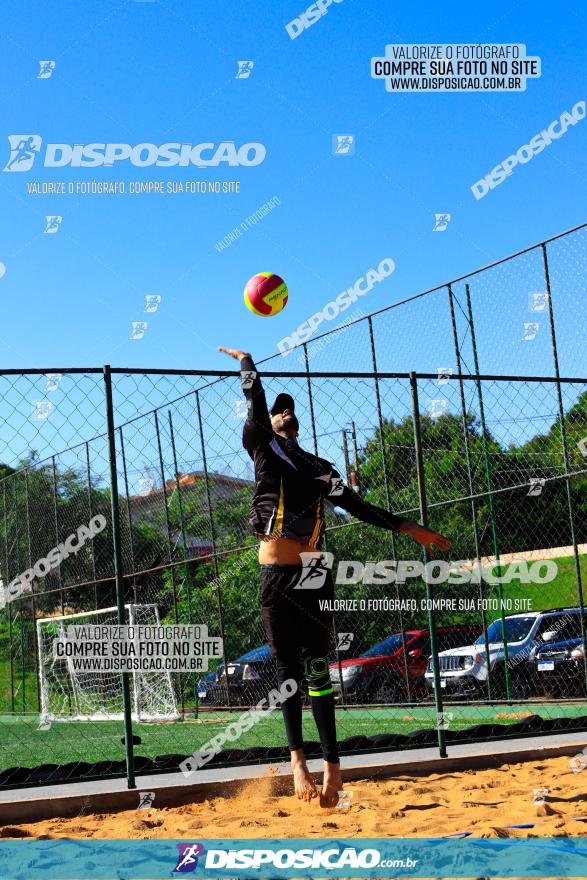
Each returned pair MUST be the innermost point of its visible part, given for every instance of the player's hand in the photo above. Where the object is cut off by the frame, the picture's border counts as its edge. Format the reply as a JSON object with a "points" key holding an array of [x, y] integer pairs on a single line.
{"points": [[426, 537], [234, 353]]}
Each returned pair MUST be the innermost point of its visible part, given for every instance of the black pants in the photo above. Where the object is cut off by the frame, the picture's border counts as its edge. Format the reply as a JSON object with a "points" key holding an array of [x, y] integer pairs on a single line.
{"points": [[299, 634]]}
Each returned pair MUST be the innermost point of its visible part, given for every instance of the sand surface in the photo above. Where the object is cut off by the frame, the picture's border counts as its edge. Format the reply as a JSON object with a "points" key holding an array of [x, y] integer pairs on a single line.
{"points": [[483, 802]]}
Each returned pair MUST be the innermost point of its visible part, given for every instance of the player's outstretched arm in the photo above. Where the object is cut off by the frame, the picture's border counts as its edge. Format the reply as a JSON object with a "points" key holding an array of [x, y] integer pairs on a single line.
{"points": [[379, 516], [425, 536]]}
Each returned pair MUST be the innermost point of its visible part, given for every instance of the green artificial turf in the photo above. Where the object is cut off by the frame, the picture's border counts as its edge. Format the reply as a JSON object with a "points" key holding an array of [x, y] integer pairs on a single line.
{"points": [[24, 743]]}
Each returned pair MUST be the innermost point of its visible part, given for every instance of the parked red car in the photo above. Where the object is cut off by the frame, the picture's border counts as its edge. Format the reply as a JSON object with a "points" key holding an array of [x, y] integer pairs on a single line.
{"points": [[393, 670]]}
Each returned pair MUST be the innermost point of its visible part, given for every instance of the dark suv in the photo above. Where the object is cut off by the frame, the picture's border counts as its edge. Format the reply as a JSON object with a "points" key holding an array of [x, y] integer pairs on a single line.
{"points": [[559, 665], [393, 670], [247, 679]]}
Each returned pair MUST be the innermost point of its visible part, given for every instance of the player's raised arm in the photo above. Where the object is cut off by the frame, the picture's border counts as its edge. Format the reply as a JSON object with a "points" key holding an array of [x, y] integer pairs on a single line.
{"points": [[257, 428]]}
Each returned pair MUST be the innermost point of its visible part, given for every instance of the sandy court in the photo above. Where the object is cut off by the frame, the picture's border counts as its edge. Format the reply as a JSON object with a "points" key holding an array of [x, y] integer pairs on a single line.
{"points": [[482, 802]]}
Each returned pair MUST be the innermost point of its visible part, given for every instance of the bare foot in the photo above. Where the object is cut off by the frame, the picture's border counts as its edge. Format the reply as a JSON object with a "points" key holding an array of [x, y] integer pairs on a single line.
{"points": [[304, 785], [331, 785]]}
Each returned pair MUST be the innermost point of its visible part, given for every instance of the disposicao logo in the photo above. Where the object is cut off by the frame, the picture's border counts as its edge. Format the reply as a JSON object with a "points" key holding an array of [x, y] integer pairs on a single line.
{"points": [[24, 149], [189, 853]]}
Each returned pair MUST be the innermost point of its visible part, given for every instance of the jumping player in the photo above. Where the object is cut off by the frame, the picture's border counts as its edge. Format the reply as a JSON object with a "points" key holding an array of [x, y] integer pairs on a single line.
{"points": [[287, 515]]}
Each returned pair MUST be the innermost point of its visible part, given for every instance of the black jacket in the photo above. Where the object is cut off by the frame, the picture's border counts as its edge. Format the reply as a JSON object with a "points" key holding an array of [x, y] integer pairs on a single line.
{"points": [[290, 483]]}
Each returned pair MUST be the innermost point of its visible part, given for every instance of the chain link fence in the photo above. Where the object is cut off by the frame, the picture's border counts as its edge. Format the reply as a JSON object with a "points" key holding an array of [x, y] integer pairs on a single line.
{"points": [[487, 443]]}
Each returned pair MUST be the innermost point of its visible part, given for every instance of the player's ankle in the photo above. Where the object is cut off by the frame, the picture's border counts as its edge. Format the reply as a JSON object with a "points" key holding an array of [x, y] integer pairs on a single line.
{"points": [[298, 758]]}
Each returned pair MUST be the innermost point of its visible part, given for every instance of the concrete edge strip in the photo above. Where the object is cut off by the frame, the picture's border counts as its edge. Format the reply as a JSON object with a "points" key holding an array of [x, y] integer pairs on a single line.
{"points": [[76, 806]]}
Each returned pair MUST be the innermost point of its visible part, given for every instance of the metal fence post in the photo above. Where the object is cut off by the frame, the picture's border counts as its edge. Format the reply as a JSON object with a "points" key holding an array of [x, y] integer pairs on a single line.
{"points": [[21, 600], [186, 573], [470, 477], [180, 505], [11, 659], [56, 524], [33, 604], [117, 559], [310, 399], [9, 607], [128, 514], [90, 507], [213, 538], [565, 450], [490, 497], [388, 501], [345, 452], [167, 521], [424, 517]]}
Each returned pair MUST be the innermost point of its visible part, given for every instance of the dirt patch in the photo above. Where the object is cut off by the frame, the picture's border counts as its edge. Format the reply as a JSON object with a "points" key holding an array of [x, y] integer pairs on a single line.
{"points": [[512, 716]]}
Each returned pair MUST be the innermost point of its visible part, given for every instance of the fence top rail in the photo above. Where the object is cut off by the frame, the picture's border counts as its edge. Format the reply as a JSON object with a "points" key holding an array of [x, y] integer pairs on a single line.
{"points": [[41, 371], [221, 373], [295, 374], [224, 374], [481, 377], [319, 374]]}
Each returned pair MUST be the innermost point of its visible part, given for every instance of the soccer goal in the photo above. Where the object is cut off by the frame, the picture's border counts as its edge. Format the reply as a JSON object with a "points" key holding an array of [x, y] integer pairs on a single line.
{"points": [[70, 695]]}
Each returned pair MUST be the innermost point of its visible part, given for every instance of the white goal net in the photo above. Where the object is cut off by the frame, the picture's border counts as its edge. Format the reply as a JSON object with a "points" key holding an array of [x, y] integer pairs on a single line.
{"points": [[70, 695]]}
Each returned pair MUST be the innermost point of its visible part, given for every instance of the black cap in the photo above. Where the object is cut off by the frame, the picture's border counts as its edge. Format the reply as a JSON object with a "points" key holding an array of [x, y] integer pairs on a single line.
{"points": [[283, 401]]}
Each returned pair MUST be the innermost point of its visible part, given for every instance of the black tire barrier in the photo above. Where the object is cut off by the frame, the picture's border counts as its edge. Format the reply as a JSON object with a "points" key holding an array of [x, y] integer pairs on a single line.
{"points": [[47, 774]]}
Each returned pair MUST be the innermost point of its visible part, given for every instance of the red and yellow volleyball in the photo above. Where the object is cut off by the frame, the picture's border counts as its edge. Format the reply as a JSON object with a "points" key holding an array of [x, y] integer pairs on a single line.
{"points": [[265, 294]]}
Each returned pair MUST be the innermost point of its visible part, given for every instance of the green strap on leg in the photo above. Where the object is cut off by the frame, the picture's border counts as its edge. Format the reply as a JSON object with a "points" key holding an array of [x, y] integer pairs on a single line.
{"points": [[312, 693]]}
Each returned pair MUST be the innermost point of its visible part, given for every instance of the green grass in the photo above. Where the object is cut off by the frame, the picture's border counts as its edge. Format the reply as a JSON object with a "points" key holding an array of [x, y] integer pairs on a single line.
{"points": [[24, 744], [23, 702], [560, 593]]}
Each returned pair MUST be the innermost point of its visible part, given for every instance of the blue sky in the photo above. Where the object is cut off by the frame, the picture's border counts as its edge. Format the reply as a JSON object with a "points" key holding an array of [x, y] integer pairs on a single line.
{"points": [[155, 72]]}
